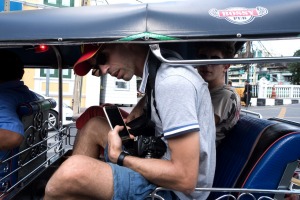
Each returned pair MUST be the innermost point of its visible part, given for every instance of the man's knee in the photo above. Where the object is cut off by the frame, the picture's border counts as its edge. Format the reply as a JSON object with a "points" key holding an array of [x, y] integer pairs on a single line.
{"points": [[94, 111], [88, 114], [96, 125], [66, 180]]}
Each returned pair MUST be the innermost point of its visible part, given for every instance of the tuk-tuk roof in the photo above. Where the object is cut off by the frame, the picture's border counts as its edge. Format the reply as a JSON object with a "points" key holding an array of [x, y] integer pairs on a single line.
{"points": [[178, 20]]}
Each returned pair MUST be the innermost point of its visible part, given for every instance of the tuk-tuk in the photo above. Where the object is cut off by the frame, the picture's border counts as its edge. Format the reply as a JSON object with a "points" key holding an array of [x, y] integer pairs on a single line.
{"points": [[257, 160]]}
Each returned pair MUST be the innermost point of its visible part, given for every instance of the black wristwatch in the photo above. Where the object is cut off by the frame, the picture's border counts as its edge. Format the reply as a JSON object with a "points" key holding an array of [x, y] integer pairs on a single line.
{"points": [[121, 158]]}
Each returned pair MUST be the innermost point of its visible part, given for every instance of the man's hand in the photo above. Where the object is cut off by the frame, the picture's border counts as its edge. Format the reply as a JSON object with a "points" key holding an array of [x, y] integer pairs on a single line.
{"points": [[114, 144]]}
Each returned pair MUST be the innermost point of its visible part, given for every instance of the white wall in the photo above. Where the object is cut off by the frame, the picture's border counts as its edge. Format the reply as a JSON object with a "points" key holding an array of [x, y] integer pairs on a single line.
{"points": [[92, 90], [110, 93]]}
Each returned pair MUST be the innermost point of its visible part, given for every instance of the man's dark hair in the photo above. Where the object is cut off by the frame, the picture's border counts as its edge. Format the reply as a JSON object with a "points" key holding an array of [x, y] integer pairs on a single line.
{"points": [[227, 48], [13, 64]]}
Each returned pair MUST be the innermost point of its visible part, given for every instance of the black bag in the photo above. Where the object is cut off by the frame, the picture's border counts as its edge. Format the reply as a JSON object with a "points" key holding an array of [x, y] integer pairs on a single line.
{"points": [[146, 143], [142, 126]]}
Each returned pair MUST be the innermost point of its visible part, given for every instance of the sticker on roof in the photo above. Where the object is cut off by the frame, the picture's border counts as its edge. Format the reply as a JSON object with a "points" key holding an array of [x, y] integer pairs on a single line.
{"points": [[239, 15], [146, 36]]}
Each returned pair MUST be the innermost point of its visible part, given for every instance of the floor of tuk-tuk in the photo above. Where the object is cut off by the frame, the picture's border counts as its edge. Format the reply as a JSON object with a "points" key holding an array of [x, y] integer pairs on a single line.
{"points": [[34, 188]]}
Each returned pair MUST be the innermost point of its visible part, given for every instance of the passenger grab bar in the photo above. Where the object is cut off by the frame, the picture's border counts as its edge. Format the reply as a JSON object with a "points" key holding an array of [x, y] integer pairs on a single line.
{"points": [[242, 192], [156, 51], [251, 113]]}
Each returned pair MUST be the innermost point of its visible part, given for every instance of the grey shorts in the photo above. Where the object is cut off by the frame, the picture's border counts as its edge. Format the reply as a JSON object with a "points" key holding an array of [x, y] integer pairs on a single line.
{"points": [[129, 184]]}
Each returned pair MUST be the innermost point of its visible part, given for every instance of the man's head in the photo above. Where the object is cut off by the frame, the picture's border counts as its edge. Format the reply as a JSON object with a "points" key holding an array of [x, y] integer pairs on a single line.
{"points": [[214, 74], [13, 64], [119, 60]]}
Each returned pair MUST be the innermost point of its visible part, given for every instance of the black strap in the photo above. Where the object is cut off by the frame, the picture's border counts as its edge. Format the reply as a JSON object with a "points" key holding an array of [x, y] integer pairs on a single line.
{"points": [[121, 158], [153, 65]]}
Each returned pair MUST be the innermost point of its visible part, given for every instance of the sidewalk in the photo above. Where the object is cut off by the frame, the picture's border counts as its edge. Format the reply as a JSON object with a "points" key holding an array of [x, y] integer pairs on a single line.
{"points": [[272, 102]]}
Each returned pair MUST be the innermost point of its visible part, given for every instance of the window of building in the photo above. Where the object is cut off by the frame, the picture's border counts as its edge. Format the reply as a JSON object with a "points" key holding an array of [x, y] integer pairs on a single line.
{"points": [[287, 78], [121, 85], [53, 73], [274, 78], [59, 3]]}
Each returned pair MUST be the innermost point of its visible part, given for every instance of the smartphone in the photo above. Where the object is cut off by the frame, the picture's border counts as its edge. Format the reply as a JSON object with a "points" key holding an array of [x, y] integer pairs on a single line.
{"points": [[114, 118]]}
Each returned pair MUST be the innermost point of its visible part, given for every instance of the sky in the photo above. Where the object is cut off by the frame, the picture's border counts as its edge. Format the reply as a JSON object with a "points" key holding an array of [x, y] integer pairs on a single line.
{"points": [[282, 47]]}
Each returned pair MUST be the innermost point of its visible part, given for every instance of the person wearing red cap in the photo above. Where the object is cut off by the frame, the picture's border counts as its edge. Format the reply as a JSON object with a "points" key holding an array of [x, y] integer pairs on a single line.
{"points": [[183, 117], [84, 64], [225, 100]]}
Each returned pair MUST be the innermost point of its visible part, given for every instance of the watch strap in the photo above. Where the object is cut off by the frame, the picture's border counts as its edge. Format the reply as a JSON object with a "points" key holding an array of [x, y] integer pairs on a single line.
{"points": [[121, 158]]}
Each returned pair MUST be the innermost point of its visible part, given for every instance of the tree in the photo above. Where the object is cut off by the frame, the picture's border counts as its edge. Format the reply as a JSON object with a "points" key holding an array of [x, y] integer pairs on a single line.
{"points": [[294, 68]]}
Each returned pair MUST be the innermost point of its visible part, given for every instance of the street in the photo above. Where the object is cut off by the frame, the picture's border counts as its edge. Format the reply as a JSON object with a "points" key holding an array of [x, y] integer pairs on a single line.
{"points": [[288, 112]]}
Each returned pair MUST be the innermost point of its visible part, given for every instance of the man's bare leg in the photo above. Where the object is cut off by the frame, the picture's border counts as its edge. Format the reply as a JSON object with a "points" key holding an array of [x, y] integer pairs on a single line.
{"points": [[81, 177], [91, 138]]}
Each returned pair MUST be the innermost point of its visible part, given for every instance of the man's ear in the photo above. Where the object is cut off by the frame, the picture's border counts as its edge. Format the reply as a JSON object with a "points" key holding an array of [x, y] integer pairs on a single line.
{"points": [[227, 66]]}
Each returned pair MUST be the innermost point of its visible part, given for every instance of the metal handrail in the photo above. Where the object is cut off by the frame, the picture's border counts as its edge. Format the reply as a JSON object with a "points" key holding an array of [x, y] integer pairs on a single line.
{"points": [[242, 191], [39, 167], [156, 51], [247, 112]]}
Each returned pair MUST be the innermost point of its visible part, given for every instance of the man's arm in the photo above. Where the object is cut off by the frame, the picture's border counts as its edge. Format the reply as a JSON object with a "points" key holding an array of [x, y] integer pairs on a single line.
{"points": [[9, 139], [179, 173], [137, 111], [11, 127]]}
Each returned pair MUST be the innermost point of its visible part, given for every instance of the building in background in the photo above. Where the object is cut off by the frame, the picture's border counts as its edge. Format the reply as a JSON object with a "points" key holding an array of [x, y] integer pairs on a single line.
{"points": [[13, 6], [275, 73]]}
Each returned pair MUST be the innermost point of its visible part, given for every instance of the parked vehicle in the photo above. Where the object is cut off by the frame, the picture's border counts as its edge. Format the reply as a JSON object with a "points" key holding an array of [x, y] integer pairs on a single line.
{"points": [[257, 159], [67, 114]]}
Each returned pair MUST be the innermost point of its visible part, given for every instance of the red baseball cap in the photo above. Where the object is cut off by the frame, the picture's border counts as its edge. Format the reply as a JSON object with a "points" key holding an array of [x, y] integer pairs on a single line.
{"points": [[82, 67]]}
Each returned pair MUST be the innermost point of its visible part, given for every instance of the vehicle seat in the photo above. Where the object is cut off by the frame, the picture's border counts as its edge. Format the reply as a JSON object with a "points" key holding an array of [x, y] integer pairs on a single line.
{"points": [[235, 149], [255, 154], [21, 161], [277, 147]]}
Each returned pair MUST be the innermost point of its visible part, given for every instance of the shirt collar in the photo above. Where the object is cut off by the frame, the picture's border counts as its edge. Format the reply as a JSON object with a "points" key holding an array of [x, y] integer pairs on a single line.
{"points": [[11, 84], [168, 53], [142, 88]]}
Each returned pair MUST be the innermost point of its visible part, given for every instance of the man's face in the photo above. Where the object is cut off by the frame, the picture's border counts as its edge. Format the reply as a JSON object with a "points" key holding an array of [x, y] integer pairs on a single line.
{"points": [[211, 73], [116, 60]]}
